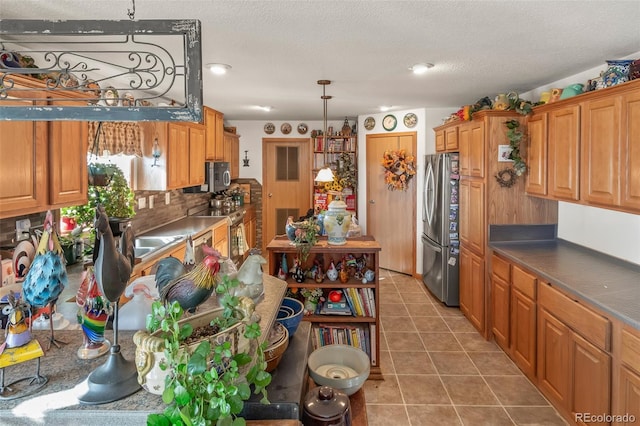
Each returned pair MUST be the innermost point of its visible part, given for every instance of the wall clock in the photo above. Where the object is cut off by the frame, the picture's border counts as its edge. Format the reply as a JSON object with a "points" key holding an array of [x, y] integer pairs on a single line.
{"points": [[269, 128], [369, 123], [389, 122], [285, 128]]}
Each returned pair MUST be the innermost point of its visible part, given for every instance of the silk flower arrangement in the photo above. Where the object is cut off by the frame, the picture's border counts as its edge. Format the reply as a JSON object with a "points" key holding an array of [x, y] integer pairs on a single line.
{"points": [[399, 168]]}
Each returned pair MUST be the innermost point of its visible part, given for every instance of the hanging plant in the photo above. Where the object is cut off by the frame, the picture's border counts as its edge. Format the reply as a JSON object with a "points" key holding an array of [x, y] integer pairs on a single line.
{"points": [[399, 169], [515, 135]]}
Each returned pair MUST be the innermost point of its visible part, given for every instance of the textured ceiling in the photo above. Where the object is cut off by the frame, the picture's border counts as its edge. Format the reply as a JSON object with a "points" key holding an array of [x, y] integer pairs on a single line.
{"points": [[279, 49]]}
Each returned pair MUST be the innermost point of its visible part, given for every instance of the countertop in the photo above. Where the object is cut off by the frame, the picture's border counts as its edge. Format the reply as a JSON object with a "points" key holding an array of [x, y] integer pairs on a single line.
{"points": [[608, 283]]}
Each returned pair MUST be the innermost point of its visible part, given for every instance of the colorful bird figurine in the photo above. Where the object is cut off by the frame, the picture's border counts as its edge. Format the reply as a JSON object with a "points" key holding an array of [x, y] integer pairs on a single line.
{"points": [[17, 331], [47, 275], [332, 272]]}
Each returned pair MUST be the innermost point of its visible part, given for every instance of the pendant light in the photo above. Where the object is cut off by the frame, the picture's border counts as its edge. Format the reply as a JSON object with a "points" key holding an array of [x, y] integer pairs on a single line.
{"points": [[325, 174]]}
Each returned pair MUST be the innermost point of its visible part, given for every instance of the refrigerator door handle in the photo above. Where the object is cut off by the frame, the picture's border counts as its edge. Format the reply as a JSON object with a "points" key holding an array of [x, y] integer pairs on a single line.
{"points": [[431, 244], [429, 194]]}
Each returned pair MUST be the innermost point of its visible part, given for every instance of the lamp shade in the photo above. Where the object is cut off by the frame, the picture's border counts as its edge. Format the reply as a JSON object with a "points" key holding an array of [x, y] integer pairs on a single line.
{"points": [[324, 175]]}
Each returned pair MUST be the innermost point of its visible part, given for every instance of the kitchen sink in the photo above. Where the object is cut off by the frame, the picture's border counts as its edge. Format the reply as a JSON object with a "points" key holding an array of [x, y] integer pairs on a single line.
{"points": [[143, 246], [143, 251]]}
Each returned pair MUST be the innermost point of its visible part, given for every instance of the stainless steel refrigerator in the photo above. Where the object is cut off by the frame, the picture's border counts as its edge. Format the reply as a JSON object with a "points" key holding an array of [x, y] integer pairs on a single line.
{"points": [[440, 238]]}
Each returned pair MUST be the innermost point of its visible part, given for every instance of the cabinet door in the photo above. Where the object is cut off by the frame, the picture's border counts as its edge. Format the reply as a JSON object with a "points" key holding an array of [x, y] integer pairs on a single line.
{"points": [[476, 221], [591, 386], [464, 141], [523, 332], [464, 199], [554, 372], [177, 156], [451, 139], [537, 155], [500, 308], [68, 162], [440, 145], [629, 395], [221, 239], [196, 155], [465, 281], [235, 159], [23, 158], [563, 146], [214, 145], [630, 152], [476, 150], [600, 156], [471, 284]]}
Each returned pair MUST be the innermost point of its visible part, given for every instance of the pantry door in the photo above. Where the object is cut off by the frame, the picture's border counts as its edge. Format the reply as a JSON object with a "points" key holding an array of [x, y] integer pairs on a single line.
{"points": [[391, 215], [286, 183]]}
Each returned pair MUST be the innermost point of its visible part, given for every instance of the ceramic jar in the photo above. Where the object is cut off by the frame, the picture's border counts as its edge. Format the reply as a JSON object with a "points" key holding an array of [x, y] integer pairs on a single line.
{"points": [[572, 90], [617, 72], [336, 223], [555, 94]]}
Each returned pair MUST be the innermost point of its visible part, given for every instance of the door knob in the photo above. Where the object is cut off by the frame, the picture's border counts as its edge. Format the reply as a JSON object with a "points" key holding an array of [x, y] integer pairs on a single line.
{"points": [[270, 195], [372, 201]]}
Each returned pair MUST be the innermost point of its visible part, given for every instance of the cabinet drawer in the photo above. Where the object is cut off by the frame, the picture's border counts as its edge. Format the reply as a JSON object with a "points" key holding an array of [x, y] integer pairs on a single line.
{"points": [[593, 327], [500, 267], [631, 350], [524, 281]]}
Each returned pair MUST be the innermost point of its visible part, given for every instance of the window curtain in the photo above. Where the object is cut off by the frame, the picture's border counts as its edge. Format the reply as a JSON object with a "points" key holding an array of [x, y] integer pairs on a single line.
{"points": [[117, 138]]}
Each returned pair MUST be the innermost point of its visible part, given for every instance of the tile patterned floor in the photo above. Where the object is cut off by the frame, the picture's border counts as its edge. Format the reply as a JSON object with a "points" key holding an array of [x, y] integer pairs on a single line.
{"points": [[439, 371]]}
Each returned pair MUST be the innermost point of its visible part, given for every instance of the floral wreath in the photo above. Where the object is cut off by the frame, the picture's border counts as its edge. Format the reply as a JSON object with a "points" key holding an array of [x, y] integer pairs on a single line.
{"points": [[399, 169]]}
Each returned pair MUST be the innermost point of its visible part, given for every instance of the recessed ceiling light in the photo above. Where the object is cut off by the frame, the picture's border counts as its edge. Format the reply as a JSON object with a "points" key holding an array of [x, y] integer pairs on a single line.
{"points": [[218, 69], [265, 108], [421, 68], [385, 108]]}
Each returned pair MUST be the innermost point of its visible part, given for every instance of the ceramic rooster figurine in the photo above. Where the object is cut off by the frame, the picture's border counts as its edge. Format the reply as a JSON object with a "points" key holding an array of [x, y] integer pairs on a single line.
{"points": [[47, 275], [112, 268], [190, 287]]}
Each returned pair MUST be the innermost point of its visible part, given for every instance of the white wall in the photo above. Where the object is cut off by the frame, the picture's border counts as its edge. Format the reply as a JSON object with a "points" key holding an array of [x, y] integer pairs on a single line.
{"points": [[607, 231]]}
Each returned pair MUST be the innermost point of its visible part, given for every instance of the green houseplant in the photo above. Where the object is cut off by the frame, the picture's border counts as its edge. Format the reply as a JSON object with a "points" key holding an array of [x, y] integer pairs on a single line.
{"points": [[210, 384]]}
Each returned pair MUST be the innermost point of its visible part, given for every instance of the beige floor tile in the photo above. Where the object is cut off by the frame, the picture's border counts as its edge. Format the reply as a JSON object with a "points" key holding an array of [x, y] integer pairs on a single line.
{"points": [[446, 311], [397, 323], [483, 416], [386, 365], [385, 391], [433, 415], [421, 310], [539, 416], [459, 324], [474, 342], [404, 341], [440, 342], [515, 390], [383, 341], [393, 309], [386, 415], [494, 363], [453, 363], [468, 390], [409, 286], [390, 298], [410, 298], [430, 324], [412, 363], [422, 389]]}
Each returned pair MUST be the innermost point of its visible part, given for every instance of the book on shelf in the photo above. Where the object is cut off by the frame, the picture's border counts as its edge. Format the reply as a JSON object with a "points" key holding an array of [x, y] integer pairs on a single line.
{"points": [[357, 335], [335, 308]]}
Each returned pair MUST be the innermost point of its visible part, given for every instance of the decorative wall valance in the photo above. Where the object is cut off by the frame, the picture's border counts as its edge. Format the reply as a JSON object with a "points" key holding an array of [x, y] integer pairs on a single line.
{"points": [[117, 138]]}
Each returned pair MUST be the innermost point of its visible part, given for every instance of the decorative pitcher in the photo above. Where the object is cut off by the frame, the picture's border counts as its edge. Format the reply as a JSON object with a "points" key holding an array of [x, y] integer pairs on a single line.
{"points": [[503, 100]]}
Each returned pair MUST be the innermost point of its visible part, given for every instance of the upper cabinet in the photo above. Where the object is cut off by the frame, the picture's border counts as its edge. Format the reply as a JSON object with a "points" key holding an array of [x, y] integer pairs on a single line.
{"points": [[592, 143], [43, 163], [214, 145], [232, 153]]}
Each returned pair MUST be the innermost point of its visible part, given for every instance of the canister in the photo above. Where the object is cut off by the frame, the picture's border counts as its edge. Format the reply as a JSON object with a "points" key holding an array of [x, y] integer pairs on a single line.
{"points": [[326, 406]]}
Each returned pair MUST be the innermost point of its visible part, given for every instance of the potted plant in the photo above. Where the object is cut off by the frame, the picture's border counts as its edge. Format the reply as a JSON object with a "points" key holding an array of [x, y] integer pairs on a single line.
{"points": [[306, 236], [208, 384]]}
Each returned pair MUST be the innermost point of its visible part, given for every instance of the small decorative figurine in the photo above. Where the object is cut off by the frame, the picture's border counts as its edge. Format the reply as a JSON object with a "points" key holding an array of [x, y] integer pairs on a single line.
{"points": [[93, 313], [332, 272], [17, 332]]}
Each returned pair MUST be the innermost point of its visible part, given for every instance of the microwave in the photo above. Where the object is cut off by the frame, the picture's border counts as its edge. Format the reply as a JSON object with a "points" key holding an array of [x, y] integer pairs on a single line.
{"points": [[217, 176]]}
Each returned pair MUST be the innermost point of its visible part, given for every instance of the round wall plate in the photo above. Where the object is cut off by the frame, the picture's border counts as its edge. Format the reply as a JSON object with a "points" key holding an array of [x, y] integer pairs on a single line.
{"points": [[369, 123], [269, 128], [302, 128], [410, 120], [285, 128], [389, 122]]}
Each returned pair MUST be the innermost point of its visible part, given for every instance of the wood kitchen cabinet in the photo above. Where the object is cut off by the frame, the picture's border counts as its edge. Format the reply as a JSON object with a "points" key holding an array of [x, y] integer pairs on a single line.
{"points": [[447, 139], [472, 288], [214, 139], [536, 177], [232, 153], [221, 237], [43, 163], [500, 304], [630, 153], [627, 398], [440, 143], [564, 152], [185, 155], [471, 210]]}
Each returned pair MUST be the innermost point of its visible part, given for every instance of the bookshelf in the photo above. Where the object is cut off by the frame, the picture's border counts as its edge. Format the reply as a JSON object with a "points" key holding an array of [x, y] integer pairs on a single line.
{"points": [[362, 328], [339, 147]]}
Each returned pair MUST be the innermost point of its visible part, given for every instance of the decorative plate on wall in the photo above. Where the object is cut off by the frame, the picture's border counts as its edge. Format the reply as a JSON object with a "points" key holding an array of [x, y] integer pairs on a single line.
{"points": [[410, 120], [389, 122], [269, 128], [285, 128], [369, 123], [302, 128]]}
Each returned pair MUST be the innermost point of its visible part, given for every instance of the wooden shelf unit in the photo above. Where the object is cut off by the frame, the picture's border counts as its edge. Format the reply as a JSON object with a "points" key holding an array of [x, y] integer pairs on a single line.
{"points": [[325, 254]]}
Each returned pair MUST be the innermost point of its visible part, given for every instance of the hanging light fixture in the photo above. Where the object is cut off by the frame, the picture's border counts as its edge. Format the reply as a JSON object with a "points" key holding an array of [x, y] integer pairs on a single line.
{"points": [[325, 174]]}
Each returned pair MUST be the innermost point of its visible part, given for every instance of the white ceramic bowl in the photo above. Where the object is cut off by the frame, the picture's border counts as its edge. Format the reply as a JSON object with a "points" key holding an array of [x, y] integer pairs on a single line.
{"points": [[342, 367]]}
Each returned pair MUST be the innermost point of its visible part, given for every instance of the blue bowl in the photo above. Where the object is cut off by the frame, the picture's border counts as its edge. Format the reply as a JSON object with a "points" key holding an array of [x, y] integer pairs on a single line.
{"points": [[290, 314]]}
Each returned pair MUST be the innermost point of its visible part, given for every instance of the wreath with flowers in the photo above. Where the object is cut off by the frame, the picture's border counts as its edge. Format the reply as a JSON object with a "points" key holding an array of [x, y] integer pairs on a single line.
{"points": [[399, 168]]}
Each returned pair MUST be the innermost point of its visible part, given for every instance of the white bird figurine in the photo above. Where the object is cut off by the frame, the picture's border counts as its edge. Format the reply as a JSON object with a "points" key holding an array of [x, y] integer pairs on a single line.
{"points": [[250, 277]]}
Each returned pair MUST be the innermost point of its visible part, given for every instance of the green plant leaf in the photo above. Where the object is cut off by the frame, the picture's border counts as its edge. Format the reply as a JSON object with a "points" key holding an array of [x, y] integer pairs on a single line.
{"points": [[157, 420], [167, 394], [197, 364], [182, 395], [235, 403]]}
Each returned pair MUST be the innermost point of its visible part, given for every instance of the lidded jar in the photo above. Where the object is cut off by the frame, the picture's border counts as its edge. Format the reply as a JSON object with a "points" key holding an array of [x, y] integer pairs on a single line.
{"points": [[326, 406], [337, 222]]}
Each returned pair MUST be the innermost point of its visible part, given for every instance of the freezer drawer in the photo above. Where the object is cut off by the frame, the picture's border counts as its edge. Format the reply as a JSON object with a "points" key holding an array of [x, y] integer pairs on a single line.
{"points": [[440, 271]]}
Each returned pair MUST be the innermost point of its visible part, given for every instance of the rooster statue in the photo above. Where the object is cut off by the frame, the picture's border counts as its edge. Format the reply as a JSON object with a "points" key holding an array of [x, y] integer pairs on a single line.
{"points": [[189, 285], [47, 275]]}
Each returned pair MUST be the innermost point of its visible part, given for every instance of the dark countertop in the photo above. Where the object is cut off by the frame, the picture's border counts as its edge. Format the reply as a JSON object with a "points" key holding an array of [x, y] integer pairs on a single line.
{"points": [[611, 284]]}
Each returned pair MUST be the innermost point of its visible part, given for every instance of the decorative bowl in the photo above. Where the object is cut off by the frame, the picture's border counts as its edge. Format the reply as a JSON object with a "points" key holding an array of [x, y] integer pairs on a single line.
{"points": [[342, 367], [278, 343], [290, 314]]}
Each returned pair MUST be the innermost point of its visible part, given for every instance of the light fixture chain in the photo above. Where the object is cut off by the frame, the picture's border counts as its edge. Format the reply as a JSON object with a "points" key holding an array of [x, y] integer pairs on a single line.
{"points": [[132, 13]]}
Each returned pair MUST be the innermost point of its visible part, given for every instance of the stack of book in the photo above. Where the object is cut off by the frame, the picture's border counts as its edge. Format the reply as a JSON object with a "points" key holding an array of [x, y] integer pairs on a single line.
{"points": [[357, 335]]}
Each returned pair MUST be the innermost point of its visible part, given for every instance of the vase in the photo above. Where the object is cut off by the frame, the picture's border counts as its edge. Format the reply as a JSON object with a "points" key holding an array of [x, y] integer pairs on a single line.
{"points": [[336, 223], [617, 72], [93, 314]]}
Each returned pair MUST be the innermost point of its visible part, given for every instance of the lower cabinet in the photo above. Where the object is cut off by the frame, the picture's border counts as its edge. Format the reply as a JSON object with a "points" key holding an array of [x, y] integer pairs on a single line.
{"points": [[472, 288], [523, 332], [627, 401]]}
